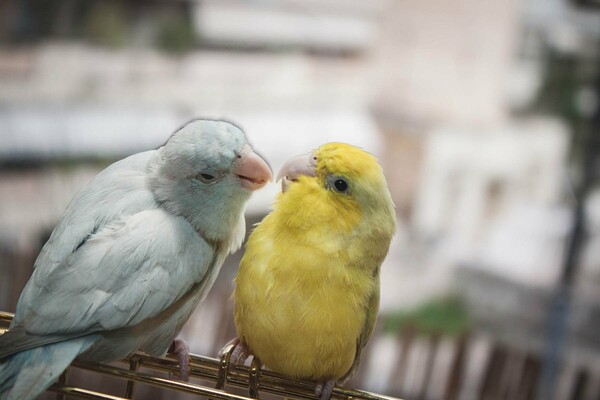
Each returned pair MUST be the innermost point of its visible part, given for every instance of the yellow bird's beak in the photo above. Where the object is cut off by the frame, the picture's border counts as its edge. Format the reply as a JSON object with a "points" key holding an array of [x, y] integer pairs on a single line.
{"points": [[304, 164]]}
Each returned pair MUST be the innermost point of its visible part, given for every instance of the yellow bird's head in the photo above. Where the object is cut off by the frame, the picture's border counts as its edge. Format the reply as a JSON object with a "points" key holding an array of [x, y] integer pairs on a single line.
{"points": [[339, 187]]}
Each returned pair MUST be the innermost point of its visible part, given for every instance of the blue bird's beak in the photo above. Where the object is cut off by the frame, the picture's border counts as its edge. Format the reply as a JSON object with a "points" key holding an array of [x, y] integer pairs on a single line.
{"points": [[252, 170]]}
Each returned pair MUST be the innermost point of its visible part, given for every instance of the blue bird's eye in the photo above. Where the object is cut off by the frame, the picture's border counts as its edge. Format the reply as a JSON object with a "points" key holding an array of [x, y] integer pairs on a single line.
{"points": [[205, 177]]}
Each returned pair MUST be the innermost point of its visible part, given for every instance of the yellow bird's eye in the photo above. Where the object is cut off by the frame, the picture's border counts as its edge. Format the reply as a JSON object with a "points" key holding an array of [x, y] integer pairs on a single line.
{"points": [[338, 183]]}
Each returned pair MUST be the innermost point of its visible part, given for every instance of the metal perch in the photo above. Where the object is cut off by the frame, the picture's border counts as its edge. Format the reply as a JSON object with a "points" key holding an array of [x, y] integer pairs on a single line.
{"points": [[206, 368]]}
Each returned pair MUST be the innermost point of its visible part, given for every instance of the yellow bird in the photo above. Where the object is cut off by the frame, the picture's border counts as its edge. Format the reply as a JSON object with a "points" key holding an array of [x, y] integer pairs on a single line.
{"points": [[307, 291]]}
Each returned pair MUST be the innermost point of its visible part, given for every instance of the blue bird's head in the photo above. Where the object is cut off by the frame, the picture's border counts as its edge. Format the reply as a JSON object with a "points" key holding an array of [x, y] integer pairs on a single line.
{"points": [[206, 172]]}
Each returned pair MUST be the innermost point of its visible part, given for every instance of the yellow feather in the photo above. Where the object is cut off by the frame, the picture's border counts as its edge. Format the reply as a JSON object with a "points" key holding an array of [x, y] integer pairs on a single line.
{"points": [[306, 287]]}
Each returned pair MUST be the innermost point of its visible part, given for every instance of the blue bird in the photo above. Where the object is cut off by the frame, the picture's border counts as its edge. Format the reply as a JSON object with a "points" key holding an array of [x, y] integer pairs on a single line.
{"points": [[132, 256]]}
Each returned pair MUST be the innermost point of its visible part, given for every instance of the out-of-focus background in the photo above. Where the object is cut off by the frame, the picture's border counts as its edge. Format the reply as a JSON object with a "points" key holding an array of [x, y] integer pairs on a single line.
{"points": [[481, 113]]}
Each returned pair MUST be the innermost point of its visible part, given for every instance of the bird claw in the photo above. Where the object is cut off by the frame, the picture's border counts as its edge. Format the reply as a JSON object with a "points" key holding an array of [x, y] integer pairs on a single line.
{"points": [[240, 352], [325, 389], [227, 347], [234, 353], [181, 349]]}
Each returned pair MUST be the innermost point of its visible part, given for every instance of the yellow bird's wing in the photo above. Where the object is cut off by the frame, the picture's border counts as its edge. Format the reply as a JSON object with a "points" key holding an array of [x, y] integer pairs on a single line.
{"points": [[370, 321]]}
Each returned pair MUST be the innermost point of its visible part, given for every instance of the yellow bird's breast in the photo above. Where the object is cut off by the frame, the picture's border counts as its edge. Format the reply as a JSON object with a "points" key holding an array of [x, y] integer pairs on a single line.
{"points": [[301, 308]]}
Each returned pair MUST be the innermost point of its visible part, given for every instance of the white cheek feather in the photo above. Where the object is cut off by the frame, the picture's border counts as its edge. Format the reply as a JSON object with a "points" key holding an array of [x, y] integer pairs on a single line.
{"points": [[232, 243], [237, 234]]}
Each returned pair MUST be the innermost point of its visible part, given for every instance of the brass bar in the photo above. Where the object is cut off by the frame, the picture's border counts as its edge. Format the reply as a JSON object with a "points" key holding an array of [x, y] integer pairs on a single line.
{"points": [[82, 393], [6, 317], [62, 381], [224, 367], [254, 378], [158, 382], [205, 368], [134, 365]]}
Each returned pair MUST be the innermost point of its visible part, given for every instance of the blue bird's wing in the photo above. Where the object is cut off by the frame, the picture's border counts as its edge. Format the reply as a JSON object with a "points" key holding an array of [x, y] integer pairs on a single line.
{"points": [[123, 274], [117, 191]]}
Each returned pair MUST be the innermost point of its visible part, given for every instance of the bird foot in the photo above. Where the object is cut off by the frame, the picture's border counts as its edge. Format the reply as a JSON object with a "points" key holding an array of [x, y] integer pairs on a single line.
{"points": [[240, 352], [181, 349], [232, 354], [325, 389]]}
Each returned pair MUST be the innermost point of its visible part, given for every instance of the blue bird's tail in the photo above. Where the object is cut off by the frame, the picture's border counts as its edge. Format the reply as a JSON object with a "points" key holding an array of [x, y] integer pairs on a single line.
{"points": [[25, 375]]}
